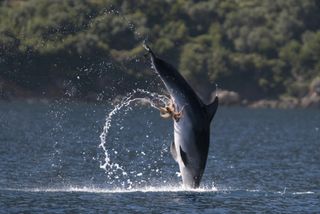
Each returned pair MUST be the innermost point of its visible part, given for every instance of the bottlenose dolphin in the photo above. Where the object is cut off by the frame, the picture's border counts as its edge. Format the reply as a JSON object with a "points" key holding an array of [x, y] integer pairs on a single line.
{"points": [[192, 129]]}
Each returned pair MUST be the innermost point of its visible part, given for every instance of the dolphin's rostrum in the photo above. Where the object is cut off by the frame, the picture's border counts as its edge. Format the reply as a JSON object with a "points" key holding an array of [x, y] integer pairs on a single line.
{"points": [[192, 131]]}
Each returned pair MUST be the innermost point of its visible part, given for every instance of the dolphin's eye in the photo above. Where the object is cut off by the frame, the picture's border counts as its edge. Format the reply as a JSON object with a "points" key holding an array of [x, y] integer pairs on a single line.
{"points": [[195, 177]]}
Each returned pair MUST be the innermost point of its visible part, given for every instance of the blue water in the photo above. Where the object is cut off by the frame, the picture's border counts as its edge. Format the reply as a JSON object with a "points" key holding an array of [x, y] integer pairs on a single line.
{"points": [[260, 160]]}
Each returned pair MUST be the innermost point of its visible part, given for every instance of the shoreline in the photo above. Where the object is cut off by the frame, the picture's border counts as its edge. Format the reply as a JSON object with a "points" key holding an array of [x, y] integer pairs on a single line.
{"points": [[284, 103], [311, 100], [10, 91]]}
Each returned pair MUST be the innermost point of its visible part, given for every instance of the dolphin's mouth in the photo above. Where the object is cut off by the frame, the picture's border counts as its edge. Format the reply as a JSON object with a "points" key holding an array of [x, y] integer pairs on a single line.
{"points": [[191, 181], [196, 182], [192, 185]]}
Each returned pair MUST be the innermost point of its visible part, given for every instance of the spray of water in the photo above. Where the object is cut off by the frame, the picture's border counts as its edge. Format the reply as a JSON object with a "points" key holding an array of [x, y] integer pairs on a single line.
{"points": [[138, 35], [167, 189], [115, 170]]}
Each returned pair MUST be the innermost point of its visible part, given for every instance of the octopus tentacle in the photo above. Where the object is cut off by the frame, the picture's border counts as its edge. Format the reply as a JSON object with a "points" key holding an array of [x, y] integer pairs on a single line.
{"points": [[170, 111]]}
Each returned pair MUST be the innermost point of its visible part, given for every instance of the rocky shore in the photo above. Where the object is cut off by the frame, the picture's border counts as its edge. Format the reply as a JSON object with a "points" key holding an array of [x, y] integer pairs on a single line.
{"points": [[10, 91], [310, 100], [231, 98]]}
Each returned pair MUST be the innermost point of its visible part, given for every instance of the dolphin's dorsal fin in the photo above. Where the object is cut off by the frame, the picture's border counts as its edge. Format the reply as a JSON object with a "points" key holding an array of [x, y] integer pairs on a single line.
{"points": [[183, 157], [173, 151], [212, 108]]}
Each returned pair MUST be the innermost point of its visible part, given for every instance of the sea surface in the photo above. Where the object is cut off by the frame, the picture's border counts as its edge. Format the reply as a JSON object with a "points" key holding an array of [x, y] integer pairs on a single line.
{"points": [[260, 160]]}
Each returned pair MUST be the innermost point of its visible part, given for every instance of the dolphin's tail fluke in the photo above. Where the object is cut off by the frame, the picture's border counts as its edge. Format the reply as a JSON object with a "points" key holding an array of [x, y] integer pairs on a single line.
{"points": [[148, 49]]}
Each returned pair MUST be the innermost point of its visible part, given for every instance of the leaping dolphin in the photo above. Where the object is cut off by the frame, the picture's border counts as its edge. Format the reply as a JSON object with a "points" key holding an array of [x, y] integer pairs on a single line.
{"points": [[192, 129]]}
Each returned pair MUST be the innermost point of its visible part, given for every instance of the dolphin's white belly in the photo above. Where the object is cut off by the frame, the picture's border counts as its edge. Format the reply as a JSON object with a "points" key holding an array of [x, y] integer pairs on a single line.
{"points": [[184, 137]]}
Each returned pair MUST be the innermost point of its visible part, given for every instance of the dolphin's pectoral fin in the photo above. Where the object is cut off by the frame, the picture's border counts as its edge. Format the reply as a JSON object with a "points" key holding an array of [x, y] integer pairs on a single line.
{"points": [[173, 151], [183, 157], [212, 108]]}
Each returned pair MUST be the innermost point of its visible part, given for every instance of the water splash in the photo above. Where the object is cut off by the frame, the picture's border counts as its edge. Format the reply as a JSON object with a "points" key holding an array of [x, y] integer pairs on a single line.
{"points": [[114, 170], [92, 189], [131, 26], [160, 189]]}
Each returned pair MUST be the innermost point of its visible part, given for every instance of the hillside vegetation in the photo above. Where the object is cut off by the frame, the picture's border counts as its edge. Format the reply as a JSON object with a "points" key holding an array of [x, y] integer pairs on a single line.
{"points": [[258, 48]]}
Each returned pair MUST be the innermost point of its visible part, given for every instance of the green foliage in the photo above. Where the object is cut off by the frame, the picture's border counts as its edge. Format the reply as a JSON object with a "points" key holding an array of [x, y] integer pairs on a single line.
{"points": [[259, 48]]}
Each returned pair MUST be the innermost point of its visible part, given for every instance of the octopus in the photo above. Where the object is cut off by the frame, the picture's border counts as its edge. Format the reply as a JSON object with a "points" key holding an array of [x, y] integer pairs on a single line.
{"points": [[170, 111]]}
